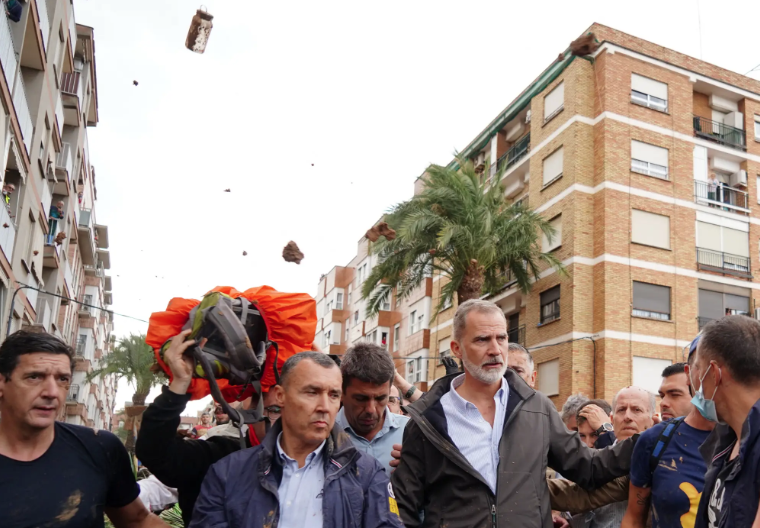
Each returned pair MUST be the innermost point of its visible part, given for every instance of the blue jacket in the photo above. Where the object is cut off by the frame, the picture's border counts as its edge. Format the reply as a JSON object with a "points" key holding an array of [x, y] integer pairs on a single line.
{"points": [[240, 491], [743, 483]]}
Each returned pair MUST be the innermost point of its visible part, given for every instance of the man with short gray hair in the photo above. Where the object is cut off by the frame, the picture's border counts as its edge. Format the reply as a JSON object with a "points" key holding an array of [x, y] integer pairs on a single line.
{"points": [[478, 444], [570, 410], [368, 373], [521, 361]]}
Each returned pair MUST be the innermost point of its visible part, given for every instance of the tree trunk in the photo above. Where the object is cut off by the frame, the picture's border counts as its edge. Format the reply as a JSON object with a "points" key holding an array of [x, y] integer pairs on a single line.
{"points": [[472, 284], [133, 420], [139, 398]]}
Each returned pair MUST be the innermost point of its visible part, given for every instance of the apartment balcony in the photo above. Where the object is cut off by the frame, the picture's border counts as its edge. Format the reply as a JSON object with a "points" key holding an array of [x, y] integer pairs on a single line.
{"points": [[107, 283], [720, 133], [82, 365], [518, 151], [44, 311], [64, 168], [108, 297], [73, 394], [50, 256], [71, 90], [7, 233], [95, 271], [74, 408], [517, 335], [86, 237], [21, 105], [42, 14], [101, 235], [59, 113], [7, 51], [725, 263], [723, 197]]}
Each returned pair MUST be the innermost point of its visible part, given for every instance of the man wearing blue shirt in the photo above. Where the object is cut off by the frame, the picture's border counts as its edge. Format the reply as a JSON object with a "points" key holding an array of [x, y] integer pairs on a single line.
{"points": [[673, 487], [368, 373]]}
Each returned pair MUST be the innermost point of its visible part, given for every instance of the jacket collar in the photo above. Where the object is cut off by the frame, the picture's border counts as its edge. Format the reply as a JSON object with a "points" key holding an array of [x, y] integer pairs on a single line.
{"points": [[338, 450], [723, 437], [516, 384]]}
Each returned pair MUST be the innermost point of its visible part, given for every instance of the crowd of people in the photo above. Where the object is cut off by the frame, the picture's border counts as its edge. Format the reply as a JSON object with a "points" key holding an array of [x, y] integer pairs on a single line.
{"points": [[351, 443]]}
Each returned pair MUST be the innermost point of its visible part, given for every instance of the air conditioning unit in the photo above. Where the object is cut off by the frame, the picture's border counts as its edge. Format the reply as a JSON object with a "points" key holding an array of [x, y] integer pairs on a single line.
{"points": [[527, 117], [480, 162], [738, 179], [757, 313]]}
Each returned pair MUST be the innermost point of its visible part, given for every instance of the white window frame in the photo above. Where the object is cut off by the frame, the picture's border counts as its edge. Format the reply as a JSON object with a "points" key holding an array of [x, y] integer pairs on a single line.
{"points": [[413, 322], [396, 337], [650, 101], [548, 117], [386, 306], [757, 127], [660, 316], [339, 301], [649, 169], [556, 241]]}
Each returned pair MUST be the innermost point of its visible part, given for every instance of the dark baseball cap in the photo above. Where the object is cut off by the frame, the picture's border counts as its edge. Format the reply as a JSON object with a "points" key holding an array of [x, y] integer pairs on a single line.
{"points": [[693, 345]]}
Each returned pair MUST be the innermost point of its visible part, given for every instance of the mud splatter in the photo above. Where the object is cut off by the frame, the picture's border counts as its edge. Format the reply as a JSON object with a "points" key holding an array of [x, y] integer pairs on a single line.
{"points": [[70, 507]]}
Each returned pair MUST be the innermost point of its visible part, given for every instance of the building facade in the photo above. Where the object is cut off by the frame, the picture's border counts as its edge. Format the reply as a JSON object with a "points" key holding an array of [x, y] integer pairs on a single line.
{"points": [[53, 253], [647, 163]]}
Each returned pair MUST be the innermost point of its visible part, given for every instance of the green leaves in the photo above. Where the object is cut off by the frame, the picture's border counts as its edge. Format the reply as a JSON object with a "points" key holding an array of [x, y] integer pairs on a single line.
{"points": [[458, 217], [132, 360]]}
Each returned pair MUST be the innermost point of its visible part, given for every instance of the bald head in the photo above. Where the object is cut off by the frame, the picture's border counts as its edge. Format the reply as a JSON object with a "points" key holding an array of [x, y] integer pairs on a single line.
{"points": [[632, 411]]}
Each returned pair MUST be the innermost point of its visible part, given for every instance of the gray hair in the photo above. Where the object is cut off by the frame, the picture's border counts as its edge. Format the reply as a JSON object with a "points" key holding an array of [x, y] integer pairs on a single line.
{"points": [[477, 305], [321, 359], [369, 363], [517, 347], [573, 403], [651, 399]]}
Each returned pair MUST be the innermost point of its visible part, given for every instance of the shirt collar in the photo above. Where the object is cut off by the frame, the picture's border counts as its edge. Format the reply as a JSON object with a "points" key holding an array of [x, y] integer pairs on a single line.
{"points": [[462, 405], [309, 458], [391, 421]]}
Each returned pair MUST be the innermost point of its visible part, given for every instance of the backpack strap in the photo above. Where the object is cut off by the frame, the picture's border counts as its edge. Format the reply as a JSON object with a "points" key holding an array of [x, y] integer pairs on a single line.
{"points": [[662, 442]]}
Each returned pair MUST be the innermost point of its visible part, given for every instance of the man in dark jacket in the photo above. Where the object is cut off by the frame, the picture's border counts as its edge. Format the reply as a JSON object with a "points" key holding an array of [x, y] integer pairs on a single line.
{"points": [[477, 446], [726, 379], [305, 473], [178, 462]]}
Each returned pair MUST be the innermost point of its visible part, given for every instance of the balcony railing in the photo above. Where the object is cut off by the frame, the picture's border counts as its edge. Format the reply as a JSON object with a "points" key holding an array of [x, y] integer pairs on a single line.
{"points": [[723, 134], [70, 84], [73, 394], [517, 335], [515, 153], [722, 197], [725, 263], [7, 52], [7, 234], [21, 104]]}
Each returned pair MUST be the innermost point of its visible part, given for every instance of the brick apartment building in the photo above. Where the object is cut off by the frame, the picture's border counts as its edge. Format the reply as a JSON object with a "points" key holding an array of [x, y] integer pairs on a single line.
{"points": [[617, 150], [48, 88]]}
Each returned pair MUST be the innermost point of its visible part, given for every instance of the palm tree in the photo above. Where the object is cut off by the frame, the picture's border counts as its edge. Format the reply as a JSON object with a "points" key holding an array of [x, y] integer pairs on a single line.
{"points": [[461, 227], [131, 359]]}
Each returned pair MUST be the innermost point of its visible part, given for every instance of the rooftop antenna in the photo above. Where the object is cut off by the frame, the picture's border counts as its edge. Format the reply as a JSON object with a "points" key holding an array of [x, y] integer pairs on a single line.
{"points": [[699, 21]]}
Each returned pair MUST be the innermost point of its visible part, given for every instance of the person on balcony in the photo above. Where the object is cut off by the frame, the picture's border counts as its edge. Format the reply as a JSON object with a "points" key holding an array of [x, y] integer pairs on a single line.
{"points": [[13, 9], [56, 213], [712, 187], [8, 189]]}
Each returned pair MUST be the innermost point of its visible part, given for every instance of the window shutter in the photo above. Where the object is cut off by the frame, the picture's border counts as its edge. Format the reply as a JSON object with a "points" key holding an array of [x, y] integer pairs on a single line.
{"points": [[556, 241], [647, 373], [650, 229], [553, 165], [708, 236], [651, 297], [646, 152], [554, 100], [735, 242], [710, 304], [548, 377], [649, 86]]}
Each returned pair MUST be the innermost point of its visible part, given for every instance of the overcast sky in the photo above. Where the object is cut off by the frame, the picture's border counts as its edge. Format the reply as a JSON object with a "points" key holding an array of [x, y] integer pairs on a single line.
{"points": [[318, 116]]}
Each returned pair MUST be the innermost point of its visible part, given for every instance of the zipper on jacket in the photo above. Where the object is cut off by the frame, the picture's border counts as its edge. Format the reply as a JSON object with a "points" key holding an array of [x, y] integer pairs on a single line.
{"points": [[493, 515]]}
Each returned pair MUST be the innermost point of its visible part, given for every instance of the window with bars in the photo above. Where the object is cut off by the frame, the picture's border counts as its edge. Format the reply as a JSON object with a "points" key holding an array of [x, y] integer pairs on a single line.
{"points": [[81, 345]]}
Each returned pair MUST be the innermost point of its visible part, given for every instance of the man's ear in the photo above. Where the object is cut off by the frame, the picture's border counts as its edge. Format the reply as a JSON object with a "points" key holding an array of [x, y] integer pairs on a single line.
{"points": [[456, 349], [279, 395]]}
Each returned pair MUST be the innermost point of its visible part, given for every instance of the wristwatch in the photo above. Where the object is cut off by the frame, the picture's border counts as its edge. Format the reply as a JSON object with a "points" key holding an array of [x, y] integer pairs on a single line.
{"points": [[605, 428], [409, 393]]}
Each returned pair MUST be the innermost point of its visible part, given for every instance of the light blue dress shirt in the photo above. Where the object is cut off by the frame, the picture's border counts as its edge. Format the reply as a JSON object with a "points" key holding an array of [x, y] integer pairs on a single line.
{"points": [[473, 436], [381, 445], [300, 491]]}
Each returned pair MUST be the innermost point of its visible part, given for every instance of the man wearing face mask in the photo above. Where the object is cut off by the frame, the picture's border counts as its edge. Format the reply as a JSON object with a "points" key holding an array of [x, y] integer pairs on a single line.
{"points": [[726, 374]]}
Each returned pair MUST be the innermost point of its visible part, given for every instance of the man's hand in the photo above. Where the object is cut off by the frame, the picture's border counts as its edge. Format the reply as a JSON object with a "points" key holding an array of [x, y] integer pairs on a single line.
{"points": [[656, 418], [396, 454], [594, 415], [180, 365], [559, 521]]}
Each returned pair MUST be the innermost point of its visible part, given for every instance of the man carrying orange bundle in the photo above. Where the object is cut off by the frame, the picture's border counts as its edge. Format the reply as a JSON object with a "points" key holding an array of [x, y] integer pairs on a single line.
{"points": [[226, 344]]}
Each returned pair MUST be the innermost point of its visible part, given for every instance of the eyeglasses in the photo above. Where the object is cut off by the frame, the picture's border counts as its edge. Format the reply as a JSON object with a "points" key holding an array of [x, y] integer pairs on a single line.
{"points": [[273, 409], [393, 399]]}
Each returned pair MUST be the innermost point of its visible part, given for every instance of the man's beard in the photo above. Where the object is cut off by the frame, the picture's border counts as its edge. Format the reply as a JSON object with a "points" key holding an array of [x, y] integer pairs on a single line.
{"points": [[487, 376]]}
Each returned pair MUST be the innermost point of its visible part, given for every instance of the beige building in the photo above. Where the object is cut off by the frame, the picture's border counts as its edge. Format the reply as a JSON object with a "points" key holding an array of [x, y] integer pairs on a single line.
{"points": [[647, 162], [49, 236]]}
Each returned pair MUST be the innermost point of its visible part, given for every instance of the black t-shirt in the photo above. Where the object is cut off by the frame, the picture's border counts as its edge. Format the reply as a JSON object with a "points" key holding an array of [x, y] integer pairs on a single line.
{"points": [[718, 499], [82, 472]]}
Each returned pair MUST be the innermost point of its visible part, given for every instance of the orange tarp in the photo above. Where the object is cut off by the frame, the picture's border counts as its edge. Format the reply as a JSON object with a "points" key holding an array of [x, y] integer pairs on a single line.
{"points": [[291, 320]]}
